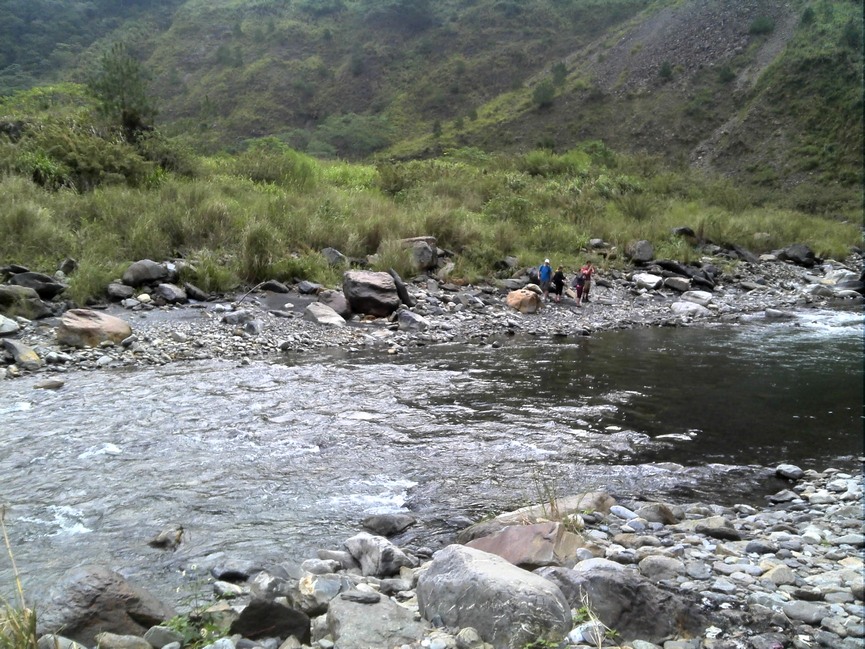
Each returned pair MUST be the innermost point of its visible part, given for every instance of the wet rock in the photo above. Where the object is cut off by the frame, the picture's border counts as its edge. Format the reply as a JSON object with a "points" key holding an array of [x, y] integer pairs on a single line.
{"points": [[508, 606], [88, 328], [388, 524]]}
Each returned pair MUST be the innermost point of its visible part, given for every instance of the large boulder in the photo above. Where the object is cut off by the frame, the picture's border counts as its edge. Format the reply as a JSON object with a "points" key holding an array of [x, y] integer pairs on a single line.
{"points": [[524, 301], [508, 606], [23, 301], [532, 546], [23, 355], [370, 292], [86, 328], [170, 293], [354, 624], [640, 252], [799, 254], [647, 281], [424, 253], [46, 287], [627, 602], [143, 272], [93, 599], [376, 555], [689, 309]]}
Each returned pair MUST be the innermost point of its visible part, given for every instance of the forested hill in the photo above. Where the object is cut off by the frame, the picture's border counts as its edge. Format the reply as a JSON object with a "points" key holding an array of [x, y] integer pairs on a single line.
{"points": [[769, 91]]}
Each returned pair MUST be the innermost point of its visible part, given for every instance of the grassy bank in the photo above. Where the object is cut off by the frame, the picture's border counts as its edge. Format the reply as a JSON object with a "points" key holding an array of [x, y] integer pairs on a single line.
{"points": [[268, 212]]}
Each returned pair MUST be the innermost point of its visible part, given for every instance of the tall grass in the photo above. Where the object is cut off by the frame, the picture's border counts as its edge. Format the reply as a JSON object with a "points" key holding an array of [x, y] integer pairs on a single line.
{"points": [[235, 225], [17, 620]]}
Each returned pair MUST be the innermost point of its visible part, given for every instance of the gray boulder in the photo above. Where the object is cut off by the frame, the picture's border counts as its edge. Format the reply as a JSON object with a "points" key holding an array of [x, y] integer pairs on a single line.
{"points": [[680, 284], [369, 292], [799, 254], [703, 298], [647, 281], [336, 301], [401, 289], [640, 252], [376, 555], [93, 599], [23, 301], [411, 321], [308, 288], [118, 292], [170, 293], [143, 272], [353, 624], [8, 326], [334, 257], [508, 606], [689, 309], [46, 287], [627, 602], [388, 524], [323, 315]]}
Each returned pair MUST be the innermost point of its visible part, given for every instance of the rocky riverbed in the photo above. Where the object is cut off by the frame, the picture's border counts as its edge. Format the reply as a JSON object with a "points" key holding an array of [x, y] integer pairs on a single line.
{"points": [[275, 319], [578, 572]]}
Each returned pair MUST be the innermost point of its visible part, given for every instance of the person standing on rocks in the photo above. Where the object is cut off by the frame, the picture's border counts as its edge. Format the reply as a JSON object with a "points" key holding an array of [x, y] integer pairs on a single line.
{"points": [[545, 274], [584, 282], [559, 283]]}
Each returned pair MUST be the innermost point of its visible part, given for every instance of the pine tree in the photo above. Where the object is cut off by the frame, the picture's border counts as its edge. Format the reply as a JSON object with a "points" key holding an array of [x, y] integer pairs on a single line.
{"points": [[120, 86]]}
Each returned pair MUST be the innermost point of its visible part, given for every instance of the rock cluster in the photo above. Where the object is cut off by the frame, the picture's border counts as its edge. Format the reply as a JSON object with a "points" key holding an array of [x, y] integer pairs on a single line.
{"points": [[632, 574], [165, 322]]}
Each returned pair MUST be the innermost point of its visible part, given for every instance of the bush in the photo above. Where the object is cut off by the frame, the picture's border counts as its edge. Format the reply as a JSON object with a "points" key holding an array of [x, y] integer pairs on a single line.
{"points": [[761, 25], [271, 161], [666, 71], [544, 94]]}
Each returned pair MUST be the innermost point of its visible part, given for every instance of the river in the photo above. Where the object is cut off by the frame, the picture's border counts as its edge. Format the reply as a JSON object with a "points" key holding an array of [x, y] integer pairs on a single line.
{"points": [[271, 461]]}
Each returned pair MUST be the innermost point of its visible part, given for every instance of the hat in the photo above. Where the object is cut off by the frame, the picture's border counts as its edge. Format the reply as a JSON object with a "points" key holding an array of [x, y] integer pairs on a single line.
{"points": [[546, 261]]}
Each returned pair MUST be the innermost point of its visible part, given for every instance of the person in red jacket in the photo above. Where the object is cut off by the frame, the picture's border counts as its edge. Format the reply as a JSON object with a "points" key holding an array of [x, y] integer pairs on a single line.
{"points": [[584, 282]]}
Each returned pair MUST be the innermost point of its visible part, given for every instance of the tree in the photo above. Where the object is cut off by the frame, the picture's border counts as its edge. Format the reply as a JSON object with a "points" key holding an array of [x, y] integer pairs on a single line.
{"points": [[120, 85]]}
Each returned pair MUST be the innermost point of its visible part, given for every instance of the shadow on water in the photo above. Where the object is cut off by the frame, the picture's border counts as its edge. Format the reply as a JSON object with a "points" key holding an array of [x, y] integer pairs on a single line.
{"points": [[272, 461]]}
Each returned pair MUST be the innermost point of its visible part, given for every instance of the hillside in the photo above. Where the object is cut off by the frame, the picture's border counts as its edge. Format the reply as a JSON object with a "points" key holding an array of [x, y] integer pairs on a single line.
{"points": [[769, 92]]}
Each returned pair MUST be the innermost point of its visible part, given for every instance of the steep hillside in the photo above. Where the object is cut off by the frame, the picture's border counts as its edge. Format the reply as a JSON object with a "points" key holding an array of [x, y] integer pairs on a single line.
{"points": [[769, 91]]}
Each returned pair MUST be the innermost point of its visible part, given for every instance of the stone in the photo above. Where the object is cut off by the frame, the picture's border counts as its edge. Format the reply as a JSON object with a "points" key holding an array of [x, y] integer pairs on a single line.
{"points": [[119, 292], [807, 612], [509, 607], [657, 513], [115, 641], [144, 272], [388, 524], [532, 546], [8, 326], [46, 287], [354, 625], [335, 300], [268, 619], [660, 568], [628, 602], [92, 599], [679, 284], [423, 251], [170, 293], [789, 472], [640, 252], [274, 286], [51, 641], [87, 328], [524, 300], [703, 298], [334, 257], [376, 555], [322, 314], [25, 357], [411, 321], [647, 281], [689, 309], [306, 287], [800, 254], [22, 301], [401, 289], [371, 293]]}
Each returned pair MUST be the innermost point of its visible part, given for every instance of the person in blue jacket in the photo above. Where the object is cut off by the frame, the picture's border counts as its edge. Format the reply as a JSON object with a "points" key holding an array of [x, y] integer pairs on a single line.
{"points": [[545, 274]]}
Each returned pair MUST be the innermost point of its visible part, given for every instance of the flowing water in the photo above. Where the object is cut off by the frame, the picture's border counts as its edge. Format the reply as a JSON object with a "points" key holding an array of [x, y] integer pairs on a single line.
{"points": [[272, 461]]}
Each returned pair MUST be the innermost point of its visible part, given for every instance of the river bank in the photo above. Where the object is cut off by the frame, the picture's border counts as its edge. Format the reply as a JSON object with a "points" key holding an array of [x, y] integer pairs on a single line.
{"points": [[262, 324]]}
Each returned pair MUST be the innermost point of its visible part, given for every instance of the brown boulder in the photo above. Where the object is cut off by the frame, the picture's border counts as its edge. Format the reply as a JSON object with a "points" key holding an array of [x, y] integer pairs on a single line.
{"points": [[533, 546], [86, 328], [524, 301]]}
